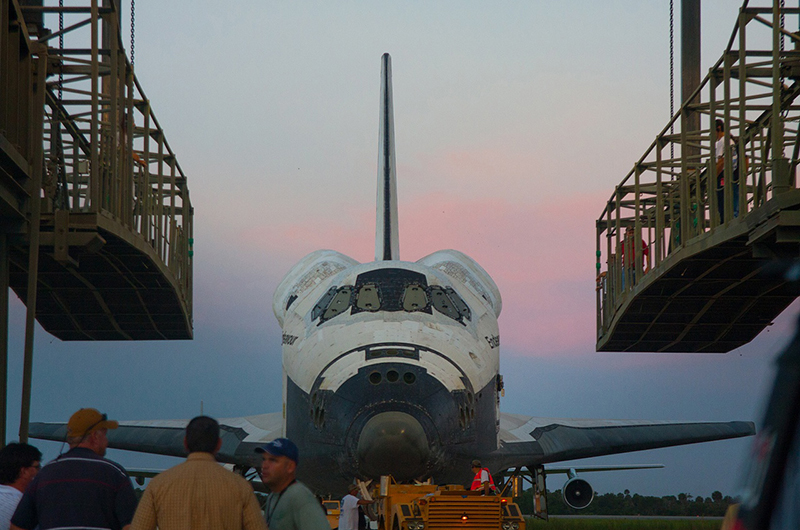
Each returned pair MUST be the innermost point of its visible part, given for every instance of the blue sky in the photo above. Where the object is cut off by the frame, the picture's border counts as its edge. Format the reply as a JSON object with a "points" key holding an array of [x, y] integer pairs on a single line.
{"points": [[514, 122]]}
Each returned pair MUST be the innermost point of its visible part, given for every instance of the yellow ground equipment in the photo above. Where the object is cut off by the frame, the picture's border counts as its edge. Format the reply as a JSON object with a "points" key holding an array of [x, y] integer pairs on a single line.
{"points": [[431, 507], [332, 511]]}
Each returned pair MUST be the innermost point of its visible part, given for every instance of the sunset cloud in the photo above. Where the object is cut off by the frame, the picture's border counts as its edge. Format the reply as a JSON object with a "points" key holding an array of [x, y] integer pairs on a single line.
{"points": [[540, 255]]}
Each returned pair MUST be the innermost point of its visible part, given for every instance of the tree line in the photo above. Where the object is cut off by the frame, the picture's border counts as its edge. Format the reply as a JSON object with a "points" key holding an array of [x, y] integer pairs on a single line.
{"points": [[624, 503]]}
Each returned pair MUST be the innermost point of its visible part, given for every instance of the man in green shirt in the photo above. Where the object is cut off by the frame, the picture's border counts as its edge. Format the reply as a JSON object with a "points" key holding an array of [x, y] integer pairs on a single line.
{"points": [[290, 505]]}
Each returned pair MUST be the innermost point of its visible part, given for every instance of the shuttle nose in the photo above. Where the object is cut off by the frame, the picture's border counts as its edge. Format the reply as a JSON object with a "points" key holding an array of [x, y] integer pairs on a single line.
{"points": [[393, 443]]}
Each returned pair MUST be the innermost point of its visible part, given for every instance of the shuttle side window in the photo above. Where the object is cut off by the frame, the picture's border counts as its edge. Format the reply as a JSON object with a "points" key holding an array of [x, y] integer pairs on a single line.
{"points": [[323, 303], [414, 298], [339, 303], [442, 302], [461, 305], [368, 298]]}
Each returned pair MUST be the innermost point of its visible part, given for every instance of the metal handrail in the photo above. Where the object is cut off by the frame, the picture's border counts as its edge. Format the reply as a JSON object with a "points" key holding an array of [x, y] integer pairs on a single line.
{"points": [[106, 153]]}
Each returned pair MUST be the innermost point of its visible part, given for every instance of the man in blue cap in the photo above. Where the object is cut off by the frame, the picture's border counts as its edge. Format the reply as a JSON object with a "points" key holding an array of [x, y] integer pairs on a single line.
{"points": [[290, 505]]}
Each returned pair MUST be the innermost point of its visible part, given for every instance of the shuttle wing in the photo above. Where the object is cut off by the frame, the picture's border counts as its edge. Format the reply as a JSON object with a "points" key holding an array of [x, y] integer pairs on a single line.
{"points": [[528, 441], [240, 436]]}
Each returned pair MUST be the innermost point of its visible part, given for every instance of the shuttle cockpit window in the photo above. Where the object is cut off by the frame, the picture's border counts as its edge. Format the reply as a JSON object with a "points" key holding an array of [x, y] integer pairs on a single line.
{"points": [[323, 303], [339, 303], [391, 290], [368, 298], [447, 301], [461, 305], [414, 298], [390, 285], [441, 301], [333, 303]]}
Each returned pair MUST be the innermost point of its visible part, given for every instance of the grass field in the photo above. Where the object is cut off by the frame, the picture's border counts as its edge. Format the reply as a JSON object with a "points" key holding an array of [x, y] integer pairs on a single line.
{"points": [[624, 524]]}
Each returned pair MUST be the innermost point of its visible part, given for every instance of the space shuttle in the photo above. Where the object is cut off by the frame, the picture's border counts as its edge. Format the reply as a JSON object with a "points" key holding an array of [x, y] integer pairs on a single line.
{"points": [[393, 368]]}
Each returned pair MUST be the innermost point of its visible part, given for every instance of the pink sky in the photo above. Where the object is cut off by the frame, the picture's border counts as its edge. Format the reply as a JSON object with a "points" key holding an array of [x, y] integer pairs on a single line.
{"points": [[541, 256]]}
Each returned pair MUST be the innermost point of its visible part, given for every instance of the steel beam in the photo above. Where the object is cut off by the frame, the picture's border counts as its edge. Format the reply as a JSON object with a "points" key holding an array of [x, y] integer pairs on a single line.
{"points": [[37, 124], [4, 287], [690, 66]]}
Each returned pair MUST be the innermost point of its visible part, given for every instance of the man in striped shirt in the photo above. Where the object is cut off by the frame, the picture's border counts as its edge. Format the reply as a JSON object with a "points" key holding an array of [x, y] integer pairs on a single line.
{"points": [[79, 489]]}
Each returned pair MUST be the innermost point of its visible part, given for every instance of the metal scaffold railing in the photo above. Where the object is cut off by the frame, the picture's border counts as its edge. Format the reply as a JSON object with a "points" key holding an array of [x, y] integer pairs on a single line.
{"points": [[105, 151], [115, 205], [727, 182]]}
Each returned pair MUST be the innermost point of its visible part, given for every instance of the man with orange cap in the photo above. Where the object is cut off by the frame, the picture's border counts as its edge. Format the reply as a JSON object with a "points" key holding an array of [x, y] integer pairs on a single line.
{"points": [[79, 489]]}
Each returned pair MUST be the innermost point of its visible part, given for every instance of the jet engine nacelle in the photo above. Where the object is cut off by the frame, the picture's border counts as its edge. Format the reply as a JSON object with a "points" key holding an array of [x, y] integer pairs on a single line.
{"points": [[577, 493]]}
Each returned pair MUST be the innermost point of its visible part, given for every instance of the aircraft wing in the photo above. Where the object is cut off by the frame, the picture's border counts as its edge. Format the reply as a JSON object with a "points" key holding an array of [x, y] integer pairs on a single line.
{"points": [[528, 441], [240, 436]]}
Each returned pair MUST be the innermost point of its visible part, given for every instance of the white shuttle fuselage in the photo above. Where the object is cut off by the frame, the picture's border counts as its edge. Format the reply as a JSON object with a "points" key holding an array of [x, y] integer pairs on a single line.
{"points": [[391, 367]]}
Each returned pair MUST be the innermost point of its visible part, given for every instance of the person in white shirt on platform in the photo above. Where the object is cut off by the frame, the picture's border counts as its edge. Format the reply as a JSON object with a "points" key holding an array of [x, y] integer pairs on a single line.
{"points": [[348, 511], [19, 463], [719, 155]]}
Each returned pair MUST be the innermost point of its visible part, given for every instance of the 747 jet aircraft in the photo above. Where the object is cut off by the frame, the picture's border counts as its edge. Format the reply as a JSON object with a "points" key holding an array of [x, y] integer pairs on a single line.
{"points": [[392, 368]]}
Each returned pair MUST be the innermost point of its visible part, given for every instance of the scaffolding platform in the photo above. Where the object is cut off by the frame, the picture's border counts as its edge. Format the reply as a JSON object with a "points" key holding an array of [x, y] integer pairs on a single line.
{"points": [[686, 242], [90, 190]]}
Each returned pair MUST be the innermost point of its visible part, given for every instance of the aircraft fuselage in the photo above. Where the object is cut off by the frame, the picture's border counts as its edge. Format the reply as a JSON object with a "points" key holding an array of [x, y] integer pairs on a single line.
{"points": [[391, 367]]}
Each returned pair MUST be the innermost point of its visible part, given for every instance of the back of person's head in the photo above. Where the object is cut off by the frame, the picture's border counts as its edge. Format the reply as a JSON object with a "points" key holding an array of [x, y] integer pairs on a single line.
{"points": [[13, 458], [721, 129], [202, 434]]}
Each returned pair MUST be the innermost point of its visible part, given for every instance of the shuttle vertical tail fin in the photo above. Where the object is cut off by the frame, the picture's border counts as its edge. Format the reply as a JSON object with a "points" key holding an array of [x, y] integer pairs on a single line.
{"points": [[387, 240]]}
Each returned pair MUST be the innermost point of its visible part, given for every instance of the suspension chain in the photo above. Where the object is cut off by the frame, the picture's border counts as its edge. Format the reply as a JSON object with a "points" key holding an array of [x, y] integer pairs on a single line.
{"points": [[785, 112], [783, 22], [133, 29], [61, 48], [671, 76]]}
